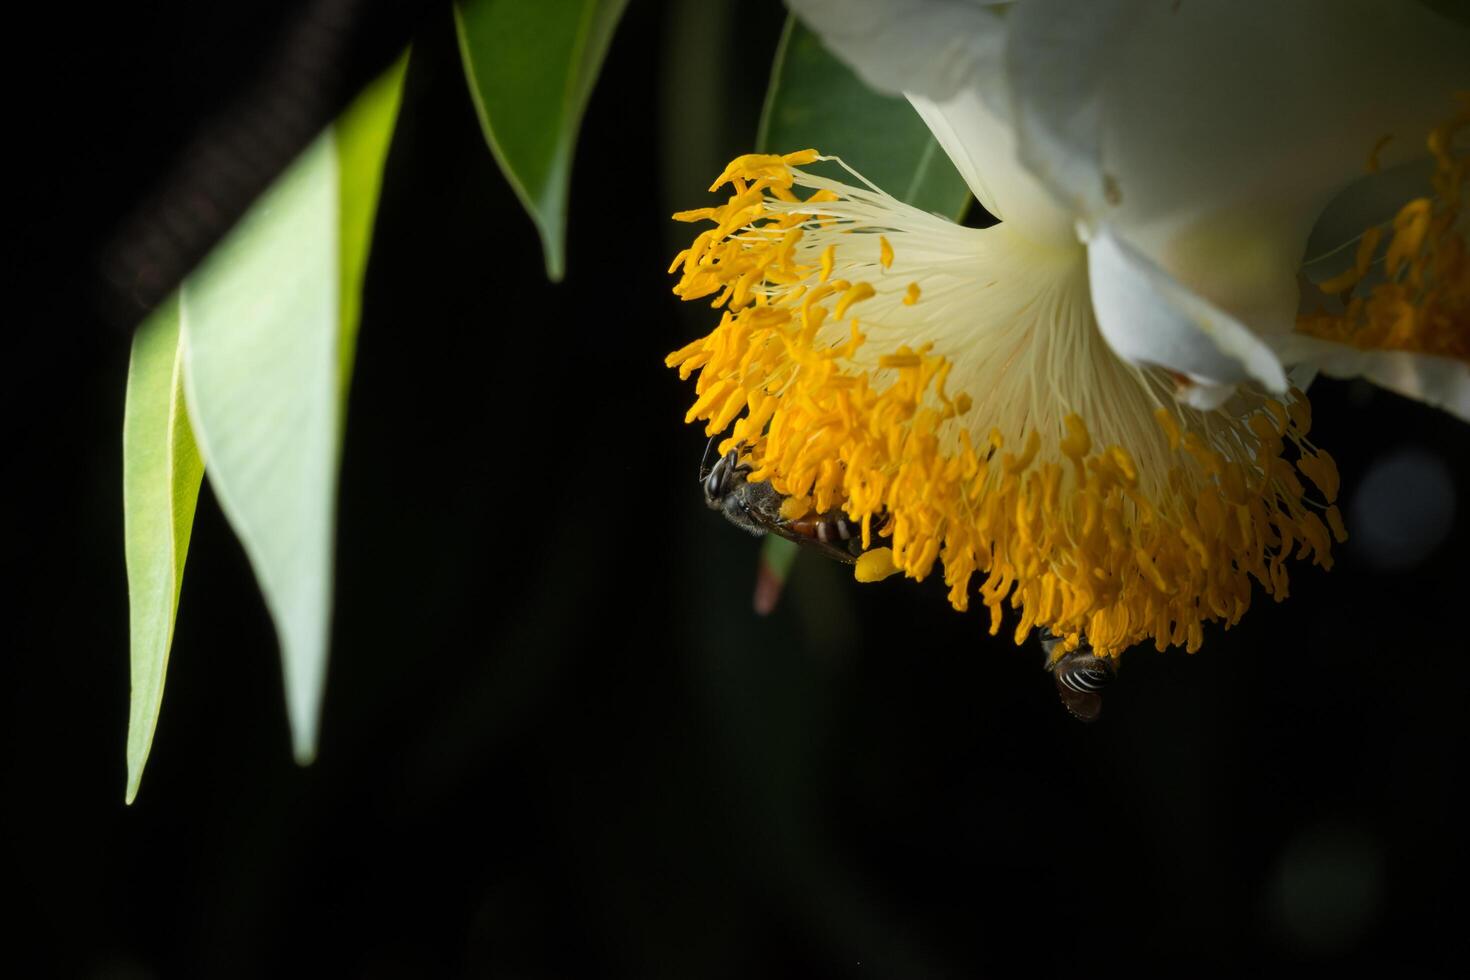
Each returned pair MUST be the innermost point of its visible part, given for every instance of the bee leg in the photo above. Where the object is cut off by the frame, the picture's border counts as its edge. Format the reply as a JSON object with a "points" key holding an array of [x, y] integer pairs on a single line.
{"points": [[704, 463]]}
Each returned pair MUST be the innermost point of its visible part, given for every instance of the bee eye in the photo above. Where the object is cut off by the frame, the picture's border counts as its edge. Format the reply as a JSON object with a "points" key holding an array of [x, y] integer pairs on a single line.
{"points": [[716, 480]]}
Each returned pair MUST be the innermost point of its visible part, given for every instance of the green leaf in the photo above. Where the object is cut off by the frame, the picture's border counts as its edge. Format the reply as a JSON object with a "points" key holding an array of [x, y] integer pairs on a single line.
{"points": [[815, 101], [269, 322], [531, 66], [772, 569], [162, 469]]}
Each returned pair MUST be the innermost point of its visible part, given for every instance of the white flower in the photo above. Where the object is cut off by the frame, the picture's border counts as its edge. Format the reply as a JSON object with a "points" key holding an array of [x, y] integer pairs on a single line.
{"points": [[1002, 400], [1196, 141]]}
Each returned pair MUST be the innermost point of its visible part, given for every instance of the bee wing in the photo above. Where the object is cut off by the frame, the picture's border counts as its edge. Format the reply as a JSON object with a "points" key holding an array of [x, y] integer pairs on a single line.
{"points": [[815, 544]]}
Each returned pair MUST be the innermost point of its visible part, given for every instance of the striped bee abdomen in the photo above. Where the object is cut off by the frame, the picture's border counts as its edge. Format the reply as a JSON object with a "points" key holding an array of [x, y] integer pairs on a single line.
{"points": [[1086, 678], [1081, 679]]}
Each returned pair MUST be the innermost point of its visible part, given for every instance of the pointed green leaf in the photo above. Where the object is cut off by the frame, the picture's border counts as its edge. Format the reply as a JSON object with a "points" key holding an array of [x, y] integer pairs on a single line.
{"points": [[161, 474], [816, 101], [362, 134], [531, 66], [269, 322]]}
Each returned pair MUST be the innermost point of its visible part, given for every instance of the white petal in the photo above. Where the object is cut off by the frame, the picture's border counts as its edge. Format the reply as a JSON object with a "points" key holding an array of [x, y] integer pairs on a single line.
{"points": [[1225, 128], [983, 149], [1443, 382], [933, 48], [1060, 52], [1150, 318], [1309, 85]]}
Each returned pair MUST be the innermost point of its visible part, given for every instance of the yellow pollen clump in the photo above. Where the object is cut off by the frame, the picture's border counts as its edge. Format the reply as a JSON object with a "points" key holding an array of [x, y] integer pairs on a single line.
{"points": [[1088, 540], [875, 565], [1421, 301]]}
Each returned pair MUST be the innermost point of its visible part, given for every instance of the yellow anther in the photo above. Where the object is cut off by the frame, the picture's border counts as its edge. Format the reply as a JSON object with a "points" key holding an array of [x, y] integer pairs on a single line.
{"points": [[800, 158], [749, 167], [1171, 428], [1151, 571], [1300, 411], [875, 565], [1410, 226], [1321, 470], [795, 507], [885, 251], [854, 294], [829, 259], [1015, 464], [684, 353], [1124, 462], [1143, 538], [1278, 414], [1077, 442], [812, 316], [1423, 304]]}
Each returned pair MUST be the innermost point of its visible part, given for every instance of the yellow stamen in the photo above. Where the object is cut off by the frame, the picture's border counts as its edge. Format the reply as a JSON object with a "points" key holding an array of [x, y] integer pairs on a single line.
{"points": [[875, 565], [1116, 527], [1422, 301], [828, 257]]}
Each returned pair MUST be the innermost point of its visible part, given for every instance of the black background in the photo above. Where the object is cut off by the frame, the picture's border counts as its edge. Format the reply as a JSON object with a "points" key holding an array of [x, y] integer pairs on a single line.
{"points": [[556, 741]]}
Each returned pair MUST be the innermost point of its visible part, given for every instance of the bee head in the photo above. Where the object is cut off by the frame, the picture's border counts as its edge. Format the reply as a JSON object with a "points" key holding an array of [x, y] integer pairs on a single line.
{"points": [[720, 479]]}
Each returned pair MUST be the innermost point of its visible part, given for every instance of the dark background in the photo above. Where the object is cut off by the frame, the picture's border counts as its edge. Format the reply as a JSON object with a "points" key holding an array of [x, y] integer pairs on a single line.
{"points": [[609, 766]]}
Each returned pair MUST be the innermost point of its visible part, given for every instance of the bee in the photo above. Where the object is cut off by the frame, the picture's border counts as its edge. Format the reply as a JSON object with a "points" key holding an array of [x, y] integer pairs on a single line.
{"points": [[1081, 677], [756, 508]]}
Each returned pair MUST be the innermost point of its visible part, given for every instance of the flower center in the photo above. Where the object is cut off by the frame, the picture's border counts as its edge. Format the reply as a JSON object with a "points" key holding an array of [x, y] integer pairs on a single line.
{"points": [[948, 389], [1416, 295]]}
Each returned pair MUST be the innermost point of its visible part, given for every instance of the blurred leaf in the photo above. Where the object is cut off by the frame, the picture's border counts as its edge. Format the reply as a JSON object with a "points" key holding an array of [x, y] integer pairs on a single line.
{"points": [[161, 474], [772, 569], [362, 134], [531, 66], [816, 101], [269, 322]]}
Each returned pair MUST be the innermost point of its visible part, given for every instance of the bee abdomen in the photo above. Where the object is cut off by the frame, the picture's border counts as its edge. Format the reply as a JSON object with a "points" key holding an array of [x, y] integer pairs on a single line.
{"points": [[1084, 678], [830, 528], [1081, 677]]}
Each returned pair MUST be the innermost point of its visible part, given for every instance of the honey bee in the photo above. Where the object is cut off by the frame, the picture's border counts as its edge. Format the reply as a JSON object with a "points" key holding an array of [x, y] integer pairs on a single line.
{"points": [[1081, 676], [756, 508]]}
